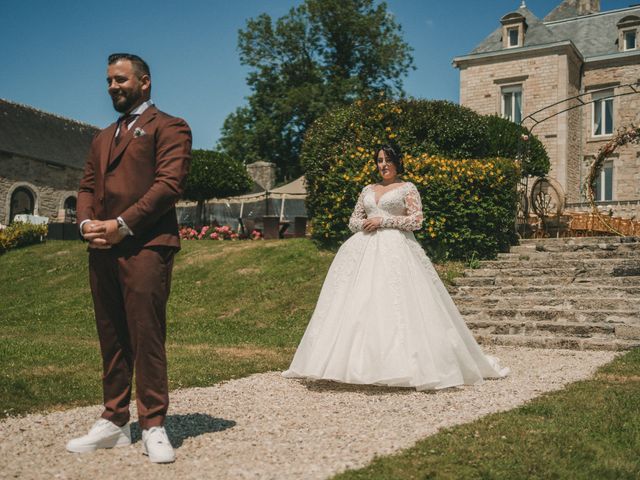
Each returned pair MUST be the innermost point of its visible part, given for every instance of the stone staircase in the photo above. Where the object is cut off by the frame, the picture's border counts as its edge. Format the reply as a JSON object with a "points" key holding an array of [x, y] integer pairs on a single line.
{"points": [[579, 293]]}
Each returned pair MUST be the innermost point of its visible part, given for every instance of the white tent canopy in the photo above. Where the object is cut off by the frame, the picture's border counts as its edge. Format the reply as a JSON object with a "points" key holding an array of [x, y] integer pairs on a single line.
{"points": [[297, 187], [294, 190]]}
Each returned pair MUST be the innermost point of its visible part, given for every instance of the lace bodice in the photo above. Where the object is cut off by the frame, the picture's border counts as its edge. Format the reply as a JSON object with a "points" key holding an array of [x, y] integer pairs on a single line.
{"points": [[400, 208]]}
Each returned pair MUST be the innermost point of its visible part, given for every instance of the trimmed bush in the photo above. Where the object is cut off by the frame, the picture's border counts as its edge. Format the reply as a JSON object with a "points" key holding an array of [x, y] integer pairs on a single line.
{"points": [[21, 234], [214, 175], [469, 204], [506, 139]]}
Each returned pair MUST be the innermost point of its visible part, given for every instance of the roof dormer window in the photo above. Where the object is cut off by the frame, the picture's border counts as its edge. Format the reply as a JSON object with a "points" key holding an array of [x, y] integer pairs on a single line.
{"points": [[628, 33], [513, 37], [514, 26], [629, 37]]}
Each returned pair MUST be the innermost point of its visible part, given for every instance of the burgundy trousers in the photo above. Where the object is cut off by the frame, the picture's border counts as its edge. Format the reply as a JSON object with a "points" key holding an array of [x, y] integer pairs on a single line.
{"points": [[130, 292]]}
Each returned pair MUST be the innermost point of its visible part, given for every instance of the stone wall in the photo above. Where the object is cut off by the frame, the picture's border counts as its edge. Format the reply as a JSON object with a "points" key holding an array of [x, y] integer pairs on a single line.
{"points": [[574, 131], [626, 111], [617, 208], [263, 173], [50, 185], [545, 80]]}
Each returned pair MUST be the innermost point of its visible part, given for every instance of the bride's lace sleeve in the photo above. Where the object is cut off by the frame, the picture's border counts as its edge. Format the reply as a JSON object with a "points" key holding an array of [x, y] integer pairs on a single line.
{"points": [[359, 214], [413, 218]]}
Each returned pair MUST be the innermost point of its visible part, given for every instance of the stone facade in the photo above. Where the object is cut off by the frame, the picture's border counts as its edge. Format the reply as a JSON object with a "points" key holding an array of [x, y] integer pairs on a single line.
{"points": [[574, 51], [41, 159], [626, 187], [50, 185], [538, 73]]}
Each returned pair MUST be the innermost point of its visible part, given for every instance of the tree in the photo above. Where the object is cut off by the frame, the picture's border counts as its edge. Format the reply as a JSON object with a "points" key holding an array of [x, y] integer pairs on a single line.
{"points": [[214, 175], [321, 55]]}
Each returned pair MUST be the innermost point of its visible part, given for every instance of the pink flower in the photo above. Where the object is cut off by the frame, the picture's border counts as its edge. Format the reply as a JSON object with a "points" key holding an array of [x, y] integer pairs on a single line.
{"points": [[213, 236]]}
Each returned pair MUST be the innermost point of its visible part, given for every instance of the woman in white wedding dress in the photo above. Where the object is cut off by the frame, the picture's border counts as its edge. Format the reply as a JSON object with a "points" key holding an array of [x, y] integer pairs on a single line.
{"points": [[383, 316]]}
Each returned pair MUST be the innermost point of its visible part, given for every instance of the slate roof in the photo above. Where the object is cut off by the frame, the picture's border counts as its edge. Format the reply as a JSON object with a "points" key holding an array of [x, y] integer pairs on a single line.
{"points": [[44, 136], [537, 33], [566, 9], [593, 35]]}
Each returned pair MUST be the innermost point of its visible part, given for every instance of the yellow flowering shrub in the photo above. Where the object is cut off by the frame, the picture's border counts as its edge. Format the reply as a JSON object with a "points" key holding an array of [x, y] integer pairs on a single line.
{"points": [[20, 234], [469, 202]]}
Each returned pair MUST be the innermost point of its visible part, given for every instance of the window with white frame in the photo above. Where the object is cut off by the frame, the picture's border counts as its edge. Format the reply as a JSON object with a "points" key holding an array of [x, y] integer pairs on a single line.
{"points": [[513, 36], [604, 183], [512, 103], [629, 37], [602, 113]]}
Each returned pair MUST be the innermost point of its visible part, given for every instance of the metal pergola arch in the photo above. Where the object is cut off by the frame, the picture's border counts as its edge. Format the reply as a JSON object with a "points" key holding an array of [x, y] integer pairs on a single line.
{"points": [[634, 87], [627, 89]]}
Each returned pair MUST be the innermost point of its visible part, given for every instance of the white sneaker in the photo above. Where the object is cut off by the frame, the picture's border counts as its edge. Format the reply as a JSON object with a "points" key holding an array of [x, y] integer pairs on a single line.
{"points": [[103, 434], [156, 444]]}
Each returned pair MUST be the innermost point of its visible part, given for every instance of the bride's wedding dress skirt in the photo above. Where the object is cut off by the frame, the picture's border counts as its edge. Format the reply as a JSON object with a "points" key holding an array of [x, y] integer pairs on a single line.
{"points": [[384, 317]]}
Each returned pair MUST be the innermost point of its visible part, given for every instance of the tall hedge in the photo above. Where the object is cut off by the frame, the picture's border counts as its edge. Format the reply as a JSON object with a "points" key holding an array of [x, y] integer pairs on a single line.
{"points": [[469, 198]]}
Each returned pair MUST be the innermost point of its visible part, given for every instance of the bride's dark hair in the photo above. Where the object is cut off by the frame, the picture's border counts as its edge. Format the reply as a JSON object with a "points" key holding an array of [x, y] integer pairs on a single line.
{"points": [[391, 154]]}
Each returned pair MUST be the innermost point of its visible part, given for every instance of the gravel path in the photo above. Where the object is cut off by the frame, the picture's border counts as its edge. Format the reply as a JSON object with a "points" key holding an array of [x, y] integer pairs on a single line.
{"points": [[265, 426]]}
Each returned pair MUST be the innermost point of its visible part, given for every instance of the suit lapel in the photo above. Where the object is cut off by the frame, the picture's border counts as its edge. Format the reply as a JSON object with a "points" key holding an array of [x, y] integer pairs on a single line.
{"points": [[118, 149], [107, 146]]}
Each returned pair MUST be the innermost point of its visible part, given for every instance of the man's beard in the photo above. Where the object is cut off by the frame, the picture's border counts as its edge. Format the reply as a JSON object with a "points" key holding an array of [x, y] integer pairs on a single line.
{"points": [[123, 103]]}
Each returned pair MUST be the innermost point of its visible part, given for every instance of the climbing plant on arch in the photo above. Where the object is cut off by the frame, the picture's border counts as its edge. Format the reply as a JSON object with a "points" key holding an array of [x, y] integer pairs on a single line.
{"points": [[624, 136]]}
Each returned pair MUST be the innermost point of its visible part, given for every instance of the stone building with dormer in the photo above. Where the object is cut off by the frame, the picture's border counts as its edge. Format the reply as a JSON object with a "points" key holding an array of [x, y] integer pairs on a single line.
{"points": [[41, 162], [528, 63]]}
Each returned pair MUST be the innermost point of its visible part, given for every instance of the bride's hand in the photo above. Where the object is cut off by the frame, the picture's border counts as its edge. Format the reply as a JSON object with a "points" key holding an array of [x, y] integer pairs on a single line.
{"points": [[372, 224]]}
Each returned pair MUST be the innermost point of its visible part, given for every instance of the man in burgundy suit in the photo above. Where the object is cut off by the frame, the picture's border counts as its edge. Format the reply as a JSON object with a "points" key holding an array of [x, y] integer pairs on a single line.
{"points": [[135, 173]]}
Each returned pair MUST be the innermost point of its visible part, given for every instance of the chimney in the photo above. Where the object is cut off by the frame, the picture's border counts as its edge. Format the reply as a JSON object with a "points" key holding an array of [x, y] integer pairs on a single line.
{"points": [[587, 7]]}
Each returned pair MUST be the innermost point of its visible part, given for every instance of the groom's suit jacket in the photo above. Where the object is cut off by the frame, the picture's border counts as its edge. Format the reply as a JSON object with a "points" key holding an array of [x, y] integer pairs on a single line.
{"points": [[139, 178]]}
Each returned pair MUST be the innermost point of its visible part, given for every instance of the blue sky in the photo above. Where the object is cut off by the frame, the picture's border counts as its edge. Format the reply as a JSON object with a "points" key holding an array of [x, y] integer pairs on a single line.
{"points": [[53, 52]]}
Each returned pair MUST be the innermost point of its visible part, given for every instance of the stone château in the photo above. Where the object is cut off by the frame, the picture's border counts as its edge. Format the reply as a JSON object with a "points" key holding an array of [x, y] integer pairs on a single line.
{"points": [[528, 63]]}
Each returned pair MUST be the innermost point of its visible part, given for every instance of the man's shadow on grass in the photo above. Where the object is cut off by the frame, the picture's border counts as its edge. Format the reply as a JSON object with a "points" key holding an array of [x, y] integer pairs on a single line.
{"points": [[181, 427]]}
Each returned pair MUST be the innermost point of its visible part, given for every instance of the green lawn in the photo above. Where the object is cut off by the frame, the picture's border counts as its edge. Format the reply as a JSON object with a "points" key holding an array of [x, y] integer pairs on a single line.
{"points": [[590, 430], [236, 308]]}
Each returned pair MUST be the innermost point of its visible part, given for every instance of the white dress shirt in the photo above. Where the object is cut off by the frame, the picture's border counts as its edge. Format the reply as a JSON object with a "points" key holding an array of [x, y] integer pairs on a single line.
{"points": [[139, 110]]}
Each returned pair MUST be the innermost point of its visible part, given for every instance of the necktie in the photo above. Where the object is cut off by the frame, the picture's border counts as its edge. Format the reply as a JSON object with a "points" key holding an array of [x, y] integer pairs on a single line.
{"points": [[124, 122]]}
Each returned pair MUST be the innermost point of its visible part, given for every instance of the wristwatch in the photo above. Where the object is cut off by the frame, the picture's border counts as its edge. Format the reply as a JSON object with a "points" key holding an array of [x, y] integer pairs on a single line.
{"points": [[123, 229]]}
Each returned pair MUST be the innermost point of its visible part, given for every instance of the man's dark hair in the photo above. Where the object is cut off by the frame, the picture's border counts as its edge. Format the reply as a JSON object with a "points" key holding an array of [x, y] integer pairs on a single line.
{"points": [[139, 65]]}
